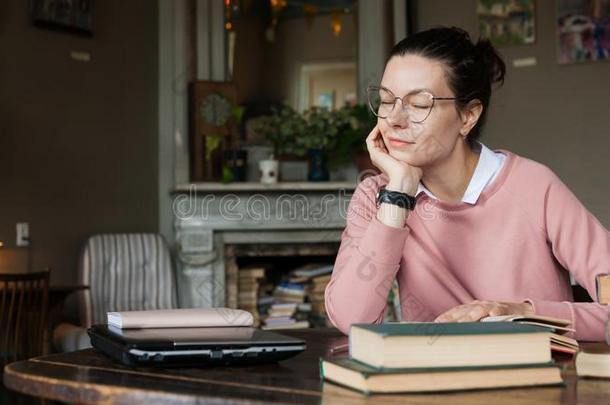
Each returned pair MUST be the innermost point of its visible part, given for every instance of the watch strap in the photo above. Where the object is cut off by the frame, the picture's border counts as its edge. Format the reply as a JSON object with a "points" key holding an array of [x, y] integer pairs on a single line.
{"points": [[397, 198]]}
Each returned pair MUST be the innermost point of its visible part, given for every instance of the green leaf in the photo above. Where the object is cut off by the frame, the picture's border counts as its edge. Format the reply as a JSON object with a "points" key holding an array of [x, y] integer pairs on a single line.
{"points": [[212, 142], [227, 174], [238, 113]]}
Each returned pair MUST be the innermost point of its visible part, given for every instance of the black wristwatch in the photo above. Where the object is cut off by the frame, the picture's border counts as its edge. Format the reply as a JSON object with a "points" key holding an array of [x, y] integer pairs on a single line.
{"points": [[402, 200]]}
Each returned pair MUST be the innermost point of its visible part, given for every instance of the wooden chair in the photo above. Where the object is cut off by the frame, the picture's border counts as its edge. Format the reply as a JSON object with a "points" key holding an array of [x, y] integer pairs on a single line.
{"points": [[23, 315]]}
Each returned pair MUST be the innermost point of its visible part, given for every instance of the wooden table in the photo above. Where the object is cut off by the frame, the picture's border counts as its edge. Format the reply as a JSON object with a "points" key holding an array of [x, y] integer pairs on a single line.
{"points": [[88, 377]]}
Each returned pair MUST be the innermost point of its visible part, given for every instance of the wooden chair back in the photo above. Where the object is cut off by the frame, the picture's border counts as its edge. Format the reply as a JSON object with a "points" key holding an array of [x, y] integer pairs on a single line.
{"points": [[23, 315]]}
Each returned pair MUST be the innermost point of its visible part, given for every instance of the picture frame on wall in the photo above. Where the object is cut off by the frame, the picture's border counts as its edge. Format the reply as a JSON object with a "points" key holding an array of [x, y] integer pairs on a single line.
{"points": [[507, 22], [583, 31], [72, 16]]}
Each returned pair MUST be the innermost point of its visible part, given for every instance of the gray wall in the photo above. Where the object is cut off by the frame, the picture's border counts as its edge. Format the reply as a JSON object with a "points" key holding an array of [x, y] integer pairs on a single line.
{"points": [[556, 114], [78, 141]]}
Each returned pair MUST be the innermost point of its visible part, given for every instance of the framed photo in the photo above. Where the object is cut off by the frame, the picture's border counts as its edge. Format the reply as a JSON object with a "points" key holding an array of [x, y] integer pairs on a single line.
{"points": [[583, 30], [507, 22], [326, 84], [75, 16], [326, 100]]}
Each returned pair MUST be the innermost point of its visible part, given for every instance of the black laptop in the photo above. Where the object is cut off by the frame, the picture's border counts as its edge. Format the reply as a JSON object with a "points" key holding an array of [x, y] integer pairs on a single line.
{"points": [[193, 347]]}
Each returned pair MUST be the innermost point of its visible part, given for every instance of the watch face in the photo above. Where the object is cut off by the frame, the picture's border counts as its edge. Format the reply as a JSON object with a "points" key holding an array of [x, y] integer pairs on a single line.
{"points": [[215, 110]]}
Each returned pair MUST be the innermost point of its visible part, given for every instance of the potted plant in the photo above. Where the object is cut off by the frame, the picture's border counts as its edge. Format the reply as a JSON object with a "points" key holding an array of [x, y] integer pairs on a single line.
{"points": [[356, 123], [329, 139], [318, 140], [280, 131], [287, 127]]}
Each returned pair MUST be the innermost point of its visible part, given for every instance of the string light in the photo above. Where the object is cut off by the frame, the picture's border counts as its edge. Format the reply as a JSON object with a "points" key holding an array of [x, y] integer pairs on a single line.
{"points": [[308, 10], [335, 22], [229, 15]]}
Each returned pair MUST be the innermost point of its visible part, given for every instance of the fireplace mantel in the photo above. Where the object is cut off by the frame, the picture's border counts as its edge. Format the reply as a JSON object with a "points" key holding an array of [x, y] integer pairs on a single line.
{"points": [[256, 186], [209, 216]]}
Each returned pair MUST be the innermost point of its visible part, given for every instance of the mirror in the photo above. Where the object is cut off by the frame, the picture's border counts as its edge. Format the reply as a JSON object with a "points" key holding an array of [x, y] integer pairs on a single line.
{"points": [[302, 53]]}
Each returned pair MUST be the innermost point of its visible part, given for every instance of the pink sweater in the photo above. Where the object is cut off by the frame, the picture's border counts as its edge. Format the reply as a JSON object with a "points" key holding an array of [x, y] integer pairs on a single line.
{"points": [[512, 245]]}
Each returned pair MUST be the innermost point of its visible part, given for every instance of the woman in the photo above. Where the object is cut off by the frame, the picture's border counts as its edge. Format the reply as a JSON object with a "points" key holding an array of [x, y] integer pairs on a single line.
{"points": [[489, 232]]}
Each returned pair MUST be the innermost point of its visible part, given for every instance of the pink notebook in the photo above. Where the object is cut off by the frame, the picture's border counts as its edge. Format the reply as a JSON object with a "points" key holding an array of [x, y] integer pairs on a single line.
{"points": [[180, 318]]}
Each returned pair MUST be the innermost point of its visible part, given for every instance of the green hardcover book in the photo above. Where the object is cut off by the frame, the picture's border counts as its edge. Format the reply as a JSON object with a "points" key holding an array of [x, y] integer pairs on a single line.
{"points": [[431, 344], [370, 380]]}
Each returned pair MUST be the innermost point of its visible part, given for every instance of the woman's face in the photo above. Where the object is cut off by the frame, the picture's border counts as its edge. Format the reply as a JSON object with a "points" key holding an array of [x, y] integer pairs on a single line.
{"points": [[435, 138]]}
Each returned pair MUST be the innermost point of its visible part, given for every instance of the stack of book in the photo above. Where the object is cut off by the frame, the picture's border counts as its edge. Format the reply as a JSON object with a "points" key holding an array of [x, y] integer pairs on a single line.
{"points": [[303, 312], [425, 357], [287, 292], [309, 271], [283, 316], [286, 306], [314, 277], [247, 297], [315, 294], [265, 301]]}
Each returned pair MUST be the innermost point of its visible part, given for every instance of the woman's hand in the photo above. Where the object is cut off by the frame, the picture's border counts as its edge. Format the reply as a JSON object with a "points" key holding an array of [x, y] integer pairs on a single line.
{"points": [[401, 176], [477, 310]]}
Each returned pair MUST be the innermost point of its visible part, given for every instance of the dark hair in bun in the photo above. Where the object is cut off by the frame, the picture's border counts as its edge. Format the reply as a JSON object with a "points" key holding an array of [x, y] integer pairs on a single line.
{"points": [[471, 69]]}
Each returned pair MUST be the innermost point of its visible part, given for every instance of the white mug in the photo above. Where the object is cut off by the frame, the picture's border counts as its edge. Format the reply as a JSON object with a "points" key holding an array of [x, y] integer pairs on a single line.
{"points": [[269, 171]]}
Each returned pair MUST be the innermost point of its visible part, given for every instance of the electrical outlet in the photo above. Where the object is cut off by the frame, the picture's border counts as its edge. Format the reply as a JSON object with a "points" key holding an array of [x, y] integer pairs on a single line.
{"points": [[23, 234]]}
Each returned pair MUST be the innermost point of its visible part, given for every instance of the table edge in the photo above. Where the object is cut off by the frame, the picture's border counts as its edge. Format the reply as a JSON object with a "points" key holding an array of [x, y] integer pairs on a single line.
{"points": [[15, 380]]}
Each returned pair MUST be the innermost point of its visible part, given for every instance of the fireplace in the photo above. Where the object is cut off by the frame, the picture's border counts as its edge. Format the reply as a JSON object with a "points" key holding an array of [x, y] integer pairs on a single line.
{"points": [[217, 225]]}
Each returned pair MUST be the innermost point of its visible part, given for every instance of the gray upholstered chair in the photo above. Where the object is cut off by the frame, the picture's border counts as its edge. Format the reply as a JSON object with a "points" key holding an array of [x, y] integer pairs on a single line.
{"points": [[124, 272]]}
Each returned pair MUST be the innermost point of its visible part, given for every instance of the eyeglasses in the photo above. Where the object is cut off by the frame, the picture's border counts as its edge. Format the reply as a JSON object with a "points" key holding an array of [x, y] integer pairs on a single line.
{"points": [[419, 105]]}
